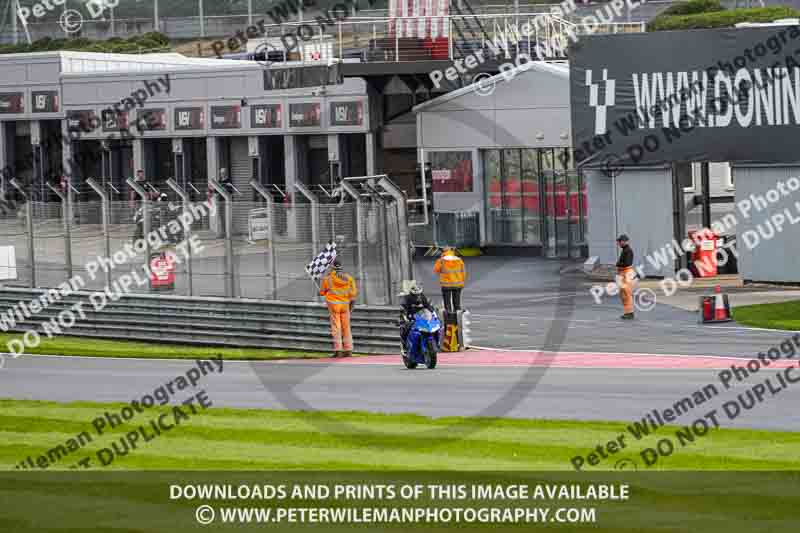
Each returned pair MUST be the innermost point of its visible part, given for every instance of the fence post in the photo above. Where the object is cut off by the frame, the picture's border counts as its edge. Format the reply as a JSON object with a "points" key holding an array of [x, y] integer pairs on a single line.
{"points": [[29, 226], [230, 286], [104, 212], [402, 223], [382, 205], [312, 198], [362, 276], [273, 269], [145, 217], [65, 212], [385, 249], [186, 202], [450, 38]]}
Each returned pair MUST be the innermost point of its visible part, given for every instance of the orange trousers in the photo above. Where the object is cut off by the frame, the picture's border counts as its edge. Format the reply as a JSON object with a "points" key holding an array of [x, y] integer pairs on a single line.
{"points": [[340, 327], [625, 280]]}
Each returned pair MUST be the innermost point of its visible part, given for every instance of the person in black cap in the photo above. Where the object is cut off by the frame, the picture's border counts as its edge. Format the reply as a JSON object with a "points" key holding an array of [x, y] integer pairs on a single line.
{"points": [[625, 275]]}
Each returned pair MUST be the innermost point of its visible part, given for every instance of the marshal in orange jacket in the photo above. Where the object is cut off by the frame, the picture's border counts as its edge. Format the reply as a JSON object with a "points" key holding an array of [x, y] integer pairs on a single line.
{"points": [[338, 288], [452, 273]]}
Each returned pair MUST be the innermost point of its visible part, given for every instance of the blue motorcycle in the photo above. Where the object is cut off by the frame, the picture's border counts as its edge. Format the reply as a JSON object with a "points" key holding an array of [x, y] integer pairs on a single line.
{"points": [[424, 339]]}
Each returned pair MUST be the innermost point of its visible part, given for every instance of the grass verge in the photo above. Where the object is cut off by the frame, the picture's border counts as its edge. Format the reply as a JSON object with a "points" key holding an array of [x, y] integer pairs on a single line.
{"points": [[256, 439], [93, 347], [783, 315]]}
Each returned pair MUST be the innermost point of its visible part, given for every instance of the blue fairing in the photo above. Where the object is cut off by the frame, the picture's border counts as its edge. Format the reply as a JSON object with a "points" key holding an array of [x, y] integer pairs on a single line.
{"points": [[426, 325]]}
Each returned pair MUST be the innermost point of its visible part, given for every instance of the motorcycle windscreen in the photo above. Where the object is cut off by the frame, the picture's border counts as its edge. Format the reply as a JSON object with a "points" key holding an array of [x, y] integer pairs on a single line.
{"points": [[425, 315], [426, 321]]}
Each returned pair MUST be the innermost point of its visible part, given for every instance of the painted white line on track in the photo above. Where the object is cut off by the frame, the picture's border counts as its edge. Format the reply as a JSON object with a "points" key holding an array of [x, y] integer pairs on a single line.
{"points": [[184, 360], [540, 298], [517, 350], [643, 322]]}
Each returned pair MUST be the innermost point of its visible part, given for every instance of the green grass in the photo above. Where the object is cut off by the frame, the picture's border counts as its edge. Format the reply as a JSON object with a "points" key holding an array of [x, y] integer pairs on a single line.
{"points": [[784, 315], [62, 345], [256, 439]]}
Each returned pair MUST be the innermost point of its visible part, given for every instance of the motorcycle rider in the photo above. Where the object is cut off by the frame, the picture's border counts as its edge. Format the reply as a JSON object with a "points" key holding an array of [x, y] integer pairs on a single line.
{"points": [[412, 302]]}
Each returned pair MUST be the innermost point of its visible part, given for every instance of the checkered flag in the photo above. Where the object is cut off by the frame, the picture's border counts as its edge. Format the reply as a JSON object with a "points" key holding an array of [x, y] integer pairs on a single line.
{"points": [[317, 267]]}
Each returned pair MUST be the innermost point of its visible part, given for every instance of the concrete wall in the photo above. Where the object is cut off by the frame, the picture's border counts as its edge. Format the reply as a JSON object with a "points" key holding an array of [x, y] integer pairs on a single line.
{"points": [[775, 259]]}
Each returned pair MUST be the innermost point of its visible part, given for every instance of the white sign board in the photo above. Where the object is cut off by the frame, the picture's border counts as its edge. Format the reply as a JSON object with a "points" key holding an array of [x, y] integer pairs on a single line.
{"points": [[259, 224], [8, 263], [440, 175]]}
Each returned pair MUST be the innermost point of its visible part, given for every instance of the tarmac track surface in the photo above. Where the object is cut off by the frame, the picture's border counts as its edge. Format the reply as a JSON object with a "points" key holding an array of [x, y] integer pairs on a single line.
{"points": [[605, 369]]}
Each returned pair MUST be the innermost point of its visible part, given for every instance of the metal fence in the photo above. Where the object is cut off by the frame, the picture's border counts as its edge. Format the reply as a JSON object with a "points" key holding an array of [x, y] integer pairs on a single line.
{"points": [[262, 255], [457, 228], [207, 321], [365, 25]]}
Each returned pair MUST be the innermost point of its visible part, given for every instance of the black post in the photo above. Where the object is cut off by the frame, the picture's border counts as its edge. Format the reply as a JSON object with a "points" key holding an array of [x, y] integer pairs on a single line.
{"points": [[706, 191]]}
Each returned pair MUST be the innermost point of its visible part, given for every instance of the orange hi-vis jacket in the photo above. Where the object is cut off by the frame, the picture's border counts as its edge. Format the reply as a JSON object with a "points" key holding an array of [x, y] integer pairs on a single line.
{"points": [[338, 288], [451, 271]]}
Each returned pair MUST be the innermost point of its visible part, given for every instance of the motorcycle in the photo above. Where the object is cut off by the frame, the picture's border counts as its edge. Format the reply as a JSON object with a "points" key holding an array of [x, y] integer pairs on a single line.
{"points": [[424, 339]]}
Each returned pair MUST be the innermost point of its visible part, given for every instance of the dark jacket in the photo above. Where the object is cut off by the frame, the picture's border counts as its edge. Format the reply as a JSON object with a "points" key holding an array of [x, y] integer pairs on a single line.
{"points": [[625, 257], [414, 302]]}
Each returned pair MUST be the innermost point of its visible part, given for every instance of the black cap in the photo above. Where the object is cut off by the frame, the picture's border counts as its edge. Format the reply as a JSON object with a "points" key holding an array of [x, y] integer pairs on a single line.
{"points": [[623, 237], [337, 265]]}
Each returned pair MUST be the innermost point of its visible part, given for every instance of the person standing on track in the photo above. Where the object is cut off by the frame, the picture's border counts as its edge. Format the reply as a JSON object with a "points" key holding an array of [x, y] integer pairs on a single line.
{"points": [[625, 276], [339, 290], [452, 275]]}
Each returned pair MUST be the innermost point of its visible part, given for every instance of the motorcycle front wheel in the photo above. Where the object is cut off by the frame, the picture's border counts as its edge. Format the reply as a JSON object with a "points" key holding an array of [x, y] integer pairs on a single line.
{"points": [[411, 365], [430, 353]]}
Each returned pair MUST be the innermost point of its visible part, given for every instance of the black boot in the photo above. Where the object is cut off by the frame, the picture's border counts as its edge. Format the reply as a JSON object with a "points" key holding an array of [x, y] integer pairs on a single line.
{"points": [[627, 316]]}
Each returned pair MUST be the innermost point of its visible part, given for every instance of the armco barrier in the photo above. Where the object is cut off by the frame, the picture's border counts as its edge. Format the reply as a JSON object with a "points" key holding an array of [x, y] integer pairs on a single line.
{"points": [[212, 321]]}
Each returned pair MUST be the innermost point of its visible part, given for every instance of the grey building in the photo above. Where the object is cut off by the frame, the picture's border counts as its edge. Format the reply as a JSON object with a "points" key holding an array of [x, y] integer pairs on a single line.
{"points": [[186, 118], [500, 148], [528, 199]]}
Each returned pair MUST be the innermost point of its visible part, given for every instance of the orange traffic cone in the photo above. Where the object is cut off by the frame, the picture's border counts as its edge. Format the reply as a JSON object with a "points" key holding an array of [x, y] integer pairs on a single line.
{"points": [[722, 312]]}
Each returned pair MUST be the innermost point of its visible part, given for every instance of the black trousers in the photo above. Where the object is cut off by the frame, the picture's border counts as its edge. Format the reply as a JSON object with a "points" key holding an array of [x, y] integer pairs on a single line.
{"points": [[405, 330], [452, 298]]}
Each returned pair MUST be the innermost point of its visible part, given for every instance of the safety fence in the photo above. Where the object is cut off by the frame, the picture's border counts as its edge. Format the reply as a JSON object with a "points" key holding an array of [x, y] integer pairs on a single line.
{"points": [[457, 228], [205, 321], [262, 255], [346, 32]]}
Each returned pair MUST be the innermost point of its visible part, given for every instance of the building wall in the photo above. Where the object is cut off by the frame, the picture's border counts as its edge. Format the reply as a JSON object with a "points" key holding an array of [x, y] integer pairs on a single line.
{"points": [[774, 259], [96, 82], [601, 226], [532, 110], [529, 111], [643, 200]]}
